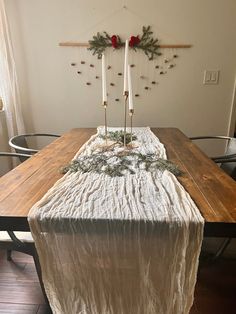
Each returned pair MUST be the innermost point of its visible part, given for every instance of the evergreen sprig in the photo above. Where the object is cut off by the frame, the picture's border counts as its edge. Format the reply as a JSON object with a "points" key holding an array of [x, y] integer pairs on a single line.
{"points": [[100, 42], [146, 42], [118, 164], [119, 137]]}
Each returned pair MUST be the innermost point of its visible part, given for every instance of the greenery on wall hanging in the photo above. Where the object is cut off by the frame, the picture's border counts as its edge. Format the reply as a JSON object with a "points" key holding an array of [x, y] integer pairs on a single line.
{"points": [[144, 42]]}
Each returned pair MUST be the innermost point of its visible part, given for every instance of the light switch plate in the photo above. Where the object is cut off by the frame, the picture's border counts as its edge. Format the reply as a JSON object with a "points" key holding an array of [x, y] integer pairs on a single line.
{"points": [[211, 77]]}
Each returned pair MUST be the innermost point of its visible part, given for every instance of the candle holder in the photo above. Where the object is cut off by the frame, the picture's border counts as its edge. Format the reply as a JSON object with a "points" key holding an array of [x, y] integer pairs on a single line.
{"points": [[131, 113], [126, 95], [105, 118]]}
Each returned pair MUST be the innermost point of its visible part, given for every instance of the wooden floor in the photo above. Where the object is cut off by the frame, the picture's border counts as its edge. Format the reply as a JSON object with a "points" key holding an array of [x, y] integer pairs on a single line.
{"points": [[20, 292]]}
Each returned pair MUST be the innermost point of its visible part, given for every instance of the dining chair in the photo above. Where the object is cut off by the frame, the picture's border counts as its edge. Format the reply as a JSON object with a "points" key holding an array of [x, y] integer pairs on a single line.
{"points": [[21, 145], [7, 154], [7, 236], [20, 241], [227, 163]]}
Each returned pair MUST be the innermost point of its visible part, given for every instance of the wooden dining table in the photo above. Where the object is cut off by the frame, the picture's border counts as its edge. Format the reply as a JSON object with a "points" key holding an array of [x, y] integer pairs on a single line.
{"points": [[212, 190]]}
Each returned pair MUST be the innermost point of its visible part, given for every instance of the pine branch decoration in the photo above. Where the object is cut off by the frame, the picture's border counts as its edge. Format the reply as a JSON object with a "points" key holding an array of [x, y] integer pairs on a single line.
{"points": [[119, 137], [100, 42], [118, 165], [147, 43]]}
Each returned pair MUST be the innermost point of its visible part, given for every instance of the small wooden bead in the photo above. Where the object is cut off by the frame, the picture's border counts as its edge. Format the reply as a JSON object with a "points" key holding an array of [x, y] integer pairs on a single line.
{"points": [[166, 60], [91, 66], [79, 72], [157, 66], [136, 95], [153, 82], [119, 73], [132, 65], [88, 83], [161, 72], [112, 84], [96, 77], [109, 67], [82, 62], [73, 64], [117, 99], [175, 56], [146, 87], [170, 66]]}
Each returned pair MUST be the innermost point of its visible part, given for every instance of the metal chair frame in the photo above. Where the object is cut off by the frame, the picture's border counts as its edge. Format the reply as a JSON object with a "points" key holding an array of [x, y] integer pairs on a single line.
{"points": [[15, 244], [27, 248], [223, 160], [217, 137], [6, 154], [14, 142]]}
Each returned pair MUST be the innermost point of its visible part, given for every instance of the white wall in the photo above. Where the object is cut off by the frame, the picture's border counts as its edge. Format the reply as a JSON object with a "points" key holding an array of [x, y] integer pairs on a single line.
{"points": [[55, 100]]}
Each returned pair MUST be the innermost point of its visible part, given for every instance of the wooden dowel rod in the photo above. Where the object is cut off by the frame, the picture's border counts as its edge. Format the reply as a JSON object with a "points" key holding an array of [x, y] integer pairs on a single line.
{"points": [[77, 44], [73, 44], [175, 46]]}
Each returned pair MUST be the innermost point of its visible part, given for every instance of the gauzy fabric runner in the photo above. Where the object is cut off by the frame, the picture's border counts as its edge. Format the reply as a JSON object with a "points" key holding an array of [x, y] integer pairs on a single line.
{"points": [[118, 245]]}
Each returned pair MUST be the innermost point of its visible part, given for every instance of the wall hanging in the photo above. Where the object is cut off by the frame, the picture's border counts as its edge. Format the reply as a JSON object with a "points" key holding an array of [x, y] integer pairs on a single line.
{"points": [[102, 44]]}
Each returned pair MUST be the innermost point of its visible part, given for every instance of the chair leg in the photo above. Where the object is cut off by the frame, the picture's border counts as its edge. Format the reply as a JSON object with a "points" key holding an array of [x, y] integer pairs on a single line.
{"points": [[39, 272], [221, 249], [9, 255]]}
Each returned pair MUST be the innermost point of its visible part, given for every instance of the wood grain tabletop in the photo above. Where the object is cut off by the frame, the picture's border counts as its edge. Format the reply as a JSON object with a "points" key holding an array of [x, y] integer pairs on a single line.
{"points": [[213, 191]]}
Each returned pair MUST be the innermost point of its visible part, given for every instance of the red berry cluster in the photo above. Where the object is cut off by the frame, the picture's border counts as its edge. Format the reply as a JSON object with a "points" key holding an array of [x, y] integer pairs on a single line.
{"points": [[134, 41], [114, 41]]}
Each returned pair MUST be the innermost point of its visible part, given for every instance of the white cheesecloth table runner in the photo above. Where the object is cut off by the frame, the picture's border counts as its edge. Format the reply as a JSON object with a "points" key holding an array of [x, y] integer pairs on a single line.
{"points": [[118, 245]]}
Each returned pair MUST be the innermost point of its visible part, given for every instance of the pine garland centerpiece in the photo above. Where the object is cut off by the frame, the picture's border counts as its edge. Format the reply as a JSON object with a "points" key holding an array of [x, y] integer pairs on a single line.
{"points": [[119, 137], [117, 163]]}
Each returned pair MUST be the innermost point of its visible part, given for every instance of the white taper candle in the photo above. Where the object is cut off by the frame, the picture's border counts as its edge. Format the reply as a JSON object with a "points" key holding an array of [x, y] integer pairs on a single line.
{"points": [[131, 105], [126, 66], [104, 80]]}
